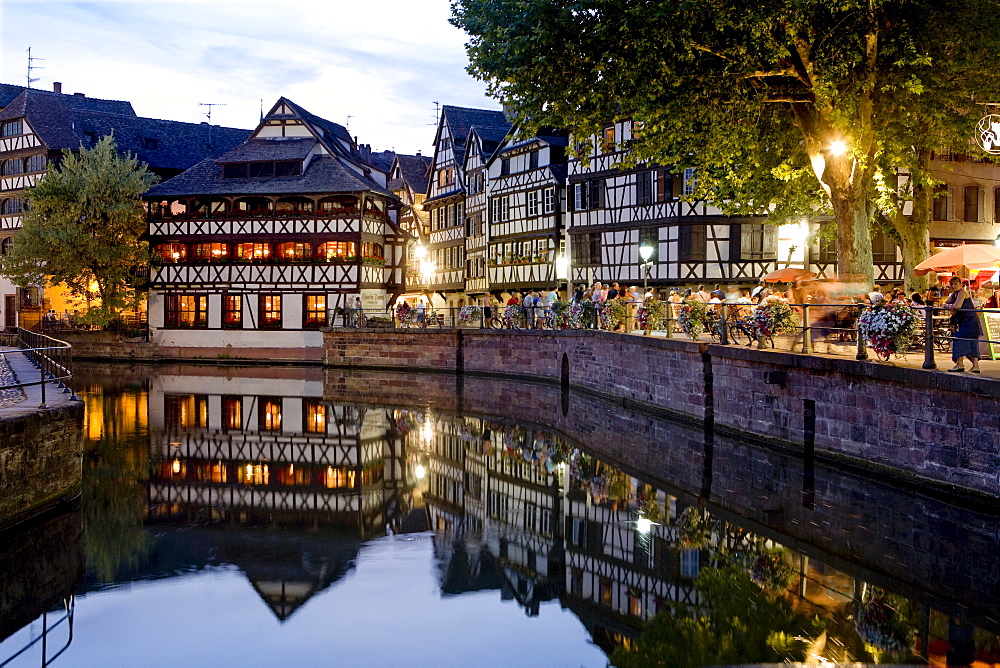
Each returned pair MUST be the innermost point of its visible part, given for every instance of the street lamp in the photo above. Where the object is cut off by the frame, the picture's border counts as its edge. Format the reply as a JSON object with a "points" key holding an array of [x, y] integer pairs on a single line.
{"points": [[646, 253]]}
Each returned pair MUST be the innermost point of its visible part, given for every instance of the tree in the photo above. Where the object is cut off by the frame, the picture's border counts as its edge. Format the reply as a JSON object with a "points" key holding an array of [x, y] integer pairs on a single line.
{"points": [[784, 108], [82, 228]]}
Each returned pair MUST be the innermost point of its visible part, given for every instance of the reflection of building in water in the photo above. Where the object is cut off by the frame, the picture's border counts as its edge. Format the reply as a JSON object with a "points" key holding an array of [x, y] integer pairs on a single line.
{"points": [[254, 450]]}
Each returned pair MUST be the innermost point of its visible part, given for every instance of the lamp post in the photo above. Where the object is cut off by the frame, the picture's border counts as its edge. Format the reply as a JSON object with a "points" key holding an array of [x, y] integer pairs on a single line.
{"points": [[646, 253]]}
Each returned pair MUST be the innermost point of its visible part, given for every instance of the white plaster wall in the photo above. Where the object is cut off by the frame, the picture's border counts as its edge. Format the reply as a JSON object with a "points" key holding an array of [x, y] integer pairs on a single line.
{"points": [[237, 338]]}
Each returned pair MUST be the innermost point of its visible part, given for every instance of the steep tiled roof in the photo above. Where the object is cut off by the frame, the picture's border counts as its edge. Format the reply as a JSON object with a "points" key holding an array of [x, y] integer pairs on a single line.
{"points": [[329, 127], [61, 123], [490, 139], [10, 92], [272, 148], [381, 160], [414, 170], [462, 119], [325, 174]]}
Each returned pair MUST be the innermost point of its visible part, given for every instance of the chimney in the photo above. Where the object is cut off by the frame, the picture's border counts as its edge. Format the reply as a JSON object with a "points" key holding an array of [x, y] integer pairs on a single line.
{"points": [[57, 87], [418, 152]]}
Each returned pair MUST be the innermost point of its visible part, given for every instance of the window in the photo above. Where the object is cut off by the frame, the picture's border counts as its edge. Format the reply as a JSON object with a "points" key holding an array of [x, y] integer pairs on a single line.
{"points": [[313, 417], [254, 207], [253, 251], [269, 417], [339, 205], [576, 581], [634, 604], [169, 252], [293, 250], [232, 413], [90, 137], [650, 236], [644, 188], [344, 251], [211, 208], [293, 206], [234, 170], [211, 251], [996, 205], [883, 249], [606, 591], [6, 245], [586, 249], [35, 163], [533, 203], [609, 139], [504, 166], [549, 200], [533, 160], [150, 143], [827, 251], [14, 205], [690, 181], [664, 185], [12, 166], [693, 243], [288, 168], [753, 241], [314, 311], [11, 128], [581, 196], [690, 563], [270, 311], [941, 203], [446, 177], [232, 311], [261, 169], [971, 205], [186, 311]]}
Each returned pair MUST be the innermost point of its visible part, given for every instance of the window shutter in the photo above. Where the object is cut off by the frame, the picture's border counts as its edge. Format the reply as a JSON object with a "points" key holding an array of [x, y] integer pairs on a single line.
{"points": [[677, 185], [770, 242], [597, 194], [736, 234], [971, 204], [684, 243]]}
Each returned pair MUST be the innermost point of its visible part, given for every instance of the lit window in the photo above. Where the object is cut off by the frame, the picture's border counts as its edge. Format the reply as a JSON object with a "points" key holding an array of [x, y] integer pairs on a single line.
{"points": [[343, 251], [232, 413], [314, 417], [294, 250], [211, 251], [170, 252], [270, 311], [186, 311], [253, 251], [270, 415], [314, 311], [232, 311]]}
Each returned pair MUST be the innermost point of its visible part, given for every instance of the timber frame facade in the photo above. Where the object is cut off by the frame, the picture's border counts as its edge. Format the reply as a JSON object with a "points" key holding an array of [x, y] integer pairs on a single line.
{"points": [[261, 246]]}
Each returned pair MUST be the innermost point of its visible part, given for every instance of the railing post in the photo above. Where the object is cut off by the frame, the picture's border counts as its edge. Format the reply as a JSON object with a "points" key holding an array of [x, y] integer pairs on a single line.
{"points": [[862, 351], [724, 326], [929, 362], [41, 371], [669, 323], [807, 344]]}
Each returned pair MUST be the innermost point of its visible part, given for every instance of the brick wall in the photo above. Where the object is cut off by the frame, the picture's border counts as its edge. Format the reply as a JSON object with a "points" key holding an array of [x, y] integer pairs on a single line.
{"points": [[41, 460], [932, 426]]}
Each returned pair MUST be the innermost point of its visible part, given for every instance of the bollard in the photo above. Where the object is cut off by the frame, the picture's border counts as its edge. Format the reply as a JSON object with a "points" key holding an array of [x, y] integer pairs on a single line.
{"points": [[862, 351], [929, 362], [724, 327], [807, 344]]}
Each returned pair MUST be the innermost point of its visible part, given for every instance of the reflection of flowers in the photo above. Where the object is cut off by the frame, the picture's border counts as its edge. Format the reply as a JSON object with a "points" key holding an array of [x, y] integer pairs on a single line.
{"points": [[692, 528], [879, 622], [770, 570]]}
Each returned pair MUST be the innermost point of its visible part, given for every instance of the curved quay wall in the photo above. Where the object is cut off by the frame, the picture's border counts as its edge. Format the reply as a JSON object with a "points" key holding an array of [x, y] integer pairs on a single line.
{"points": [[933, 428]]}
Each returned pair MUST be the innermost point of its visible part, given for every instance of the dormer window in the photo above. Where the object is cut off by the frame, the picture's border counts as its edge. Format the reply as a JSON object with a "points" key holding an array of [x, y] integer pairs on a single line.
{"points": [[91, 137], [263, 169], [149, 143], [12, 128]]}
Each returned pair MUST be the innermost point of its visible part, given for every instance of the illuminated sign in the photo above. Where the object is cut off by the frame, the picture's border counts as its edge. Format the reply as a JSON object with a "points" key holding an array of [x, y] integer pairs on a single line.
{"points": [[988, 136]]}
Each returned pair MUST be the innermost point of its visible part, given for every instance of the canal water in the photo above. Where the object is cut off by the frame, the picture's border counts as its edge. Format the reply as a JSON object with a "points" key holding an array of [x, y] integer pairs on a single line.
{"points": [[302, 517]]}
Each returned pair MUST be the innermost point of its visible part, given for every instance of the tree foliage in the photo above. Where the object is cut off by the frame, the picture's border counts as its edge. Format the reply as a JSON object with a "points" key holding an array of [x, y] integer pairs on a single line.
{"points": [[82, 227], [784, 108]]}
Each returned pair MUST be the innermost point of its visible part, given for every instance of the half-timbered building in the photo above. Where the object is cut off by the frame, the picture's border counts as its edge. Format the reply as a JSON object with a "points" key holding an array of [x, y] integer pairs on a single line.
{"points": [[259, 247], [408, 181], [446, 193], [527, 176], [37, 126], [482, 143]]}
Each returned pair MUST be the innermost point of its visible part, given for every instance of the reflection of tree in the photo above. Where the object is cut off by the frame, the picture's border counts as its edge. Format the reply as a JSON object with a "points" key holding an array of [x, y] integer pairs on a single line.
{"points": [[737, 622], [114, 493], [882, 620]]}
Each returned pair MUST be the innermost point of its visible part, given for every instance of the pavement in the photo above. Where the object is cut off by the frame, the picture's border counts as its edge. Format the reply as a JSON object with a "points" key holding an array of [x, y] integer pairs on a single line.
{"points": [[31, 399]]}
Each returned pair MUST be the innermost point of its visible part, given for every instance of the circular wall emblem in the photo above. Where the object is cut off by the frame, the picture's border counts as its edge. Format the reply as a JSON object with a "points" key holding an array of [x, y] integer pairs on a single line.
{"points": [[988, 135]]}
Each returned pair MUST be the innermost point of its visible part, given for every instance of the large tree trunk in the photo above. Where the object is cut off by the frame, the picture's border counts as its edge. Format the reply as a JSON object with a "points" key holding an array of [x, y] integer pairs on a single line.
{"points": [[853, 213], [914, 239]]}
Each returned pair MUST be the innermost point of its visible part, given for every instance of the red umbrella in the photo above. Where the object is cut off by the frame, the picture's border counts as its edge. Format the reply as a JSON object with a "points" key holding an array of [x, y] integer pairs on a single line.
{"points": [[970, 256], [788, 275]]}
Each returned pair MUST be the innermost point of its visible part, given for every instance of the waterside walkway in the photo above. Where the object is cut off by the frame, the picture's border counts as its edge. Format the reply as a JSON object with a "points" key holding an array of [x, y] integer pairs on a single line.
{"points": [[31, 396]]}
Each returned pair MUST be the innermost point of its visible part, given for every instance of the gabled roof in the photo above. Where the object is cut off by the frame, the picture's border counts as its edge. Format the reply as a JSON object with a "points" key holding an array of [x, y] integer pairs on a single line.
{"points": [[274, 148], [325, 174], [490, 139], [413, 170], [462, 119], [327, 130], [9, 93], [61, 122]]}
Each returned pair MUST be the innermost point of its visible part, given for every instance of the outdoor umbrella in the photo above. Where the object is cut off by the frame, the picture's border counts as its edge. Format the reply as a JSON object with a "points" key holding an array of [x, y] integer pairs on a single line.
{"points": [[970, 256], [788, 275]]}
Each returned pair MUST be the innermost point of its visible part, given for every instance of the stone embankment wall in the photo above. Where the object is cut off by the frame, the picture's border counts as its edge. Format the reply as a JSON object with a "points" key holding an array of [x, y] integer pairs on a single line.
{"points": [[109, 346], [41, 460], [941, 428]]}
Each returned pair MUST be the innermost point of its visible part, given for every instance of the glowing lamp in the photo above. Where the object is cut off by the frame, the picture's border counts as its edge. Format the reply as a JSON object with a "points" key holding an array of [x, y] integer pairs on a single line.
{"points": [[420, 472], [837, 147], [645, 252]]}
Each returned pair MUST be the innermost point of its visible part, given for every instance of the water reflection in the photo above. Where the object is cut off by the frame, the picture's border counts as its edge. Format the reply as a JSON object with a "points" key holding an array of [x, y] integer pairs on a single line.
{"points": [[205, 477]]}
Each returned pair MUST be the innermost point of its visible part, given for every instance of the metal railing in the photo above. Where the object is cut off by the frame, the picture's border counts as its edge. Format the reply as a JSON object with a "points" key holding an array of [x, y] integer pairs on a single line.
{"points": [[727, 323], [51, 357]]}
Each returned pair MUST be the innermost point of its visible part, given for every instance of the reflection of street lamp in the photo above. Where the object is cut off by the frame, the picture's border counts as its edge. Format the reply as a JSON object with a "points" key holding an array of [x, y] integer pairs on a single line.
{"points": [[427, 267], [646, 253], [643, 525]]}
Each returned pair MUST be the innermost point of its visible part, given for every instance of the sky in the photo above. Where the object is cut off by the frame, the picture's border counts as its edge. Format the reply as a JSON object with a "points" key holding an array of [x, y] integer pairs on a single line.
{"points": [[383, 63]]}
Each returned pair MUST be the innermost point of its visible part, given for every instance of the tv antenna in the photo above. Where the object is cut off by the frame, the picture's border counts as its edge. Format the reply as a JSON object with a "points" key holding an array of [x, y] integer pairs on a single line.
{"points": [[32, 67], [437, 112], [209, 115], [349, 117]]}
